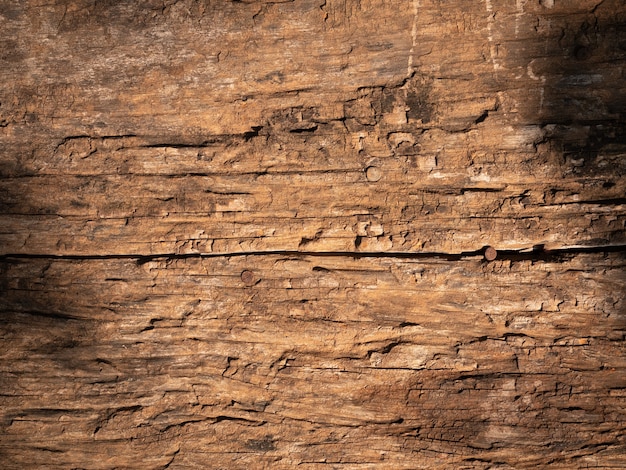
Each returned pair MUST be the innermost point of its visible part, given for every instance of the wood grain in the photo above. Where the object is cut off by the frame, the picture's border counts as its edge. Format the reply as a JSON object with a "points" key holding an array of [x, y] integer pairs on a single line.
{"points": [[254, 234], [347, 361], [473, 146]]}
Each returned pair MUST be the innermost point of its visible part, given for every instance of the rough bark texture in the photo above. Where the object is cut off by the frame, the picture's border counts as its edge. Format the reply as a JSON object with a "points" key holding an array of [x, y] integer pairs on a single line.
{"points": [[250, 234]]}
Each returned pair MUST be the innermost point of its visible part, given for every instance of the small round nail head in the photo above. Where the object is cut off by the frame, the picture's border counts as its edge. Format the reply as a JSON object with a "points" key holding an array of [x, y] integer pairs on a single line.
{"points": [[247, 277], [373, 173], [490, 253]]}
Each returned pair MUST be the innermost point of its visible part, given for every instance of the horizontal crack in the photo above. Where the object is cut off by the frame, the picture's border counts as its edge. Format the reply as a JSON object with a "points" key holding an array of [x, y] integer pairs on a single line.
{"points": [[537, 254]]}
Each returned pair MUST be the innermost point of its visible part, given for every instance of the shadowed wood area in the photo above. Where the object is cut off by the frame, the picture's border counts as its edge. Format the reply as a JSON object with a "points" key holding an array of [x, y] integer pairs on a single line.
{"points": [[312, 233]]}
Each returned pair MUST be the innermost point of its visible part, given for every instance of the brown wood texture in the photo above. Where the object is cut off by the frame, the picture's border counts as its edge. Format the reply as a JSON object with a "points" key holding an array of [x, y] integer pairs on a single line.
{"points": [[252, 234], [355, 362]]}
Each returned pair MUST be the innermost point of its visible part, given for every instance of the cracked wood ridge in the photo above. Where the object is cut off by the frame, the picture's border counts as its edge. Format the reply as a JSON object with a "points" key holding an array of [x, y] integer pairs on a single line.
{"points": [[253, 234]]}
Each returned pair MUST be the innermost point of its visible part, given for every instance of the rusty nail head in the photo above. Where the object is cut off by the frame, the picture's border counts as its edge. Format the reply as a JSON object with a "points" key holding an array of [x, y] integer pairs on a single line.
{"points": [[247, 277], [490, 253]]}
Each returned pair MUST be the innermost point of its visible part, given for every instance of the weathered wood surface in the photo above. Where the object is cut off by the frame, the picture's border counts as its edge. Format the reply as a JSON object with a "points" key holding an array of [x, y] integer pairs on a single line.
{"points": [[248, 234], [362, 362], [172, 200], [249, 126]]}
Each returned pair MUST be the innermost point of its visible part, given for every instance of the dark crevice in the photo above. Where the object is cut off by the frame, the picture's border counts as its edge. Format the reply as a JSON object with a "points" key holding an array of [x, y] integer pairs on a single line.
{"points": [[302, 130], [480, 190], [537, 254], [482, 117], [252, 133], [211, 141], [50, 315], [69, 138], [407, 324], [599, 202], [220, 418], [176, 146]]}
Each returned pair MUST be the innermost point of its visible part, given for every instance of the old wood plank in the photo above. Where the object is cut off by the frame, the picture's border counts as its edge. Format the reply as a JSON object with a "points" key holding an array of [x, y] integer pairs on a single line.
{"points": [[329, 160], [361, 361], [488, 124]]}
